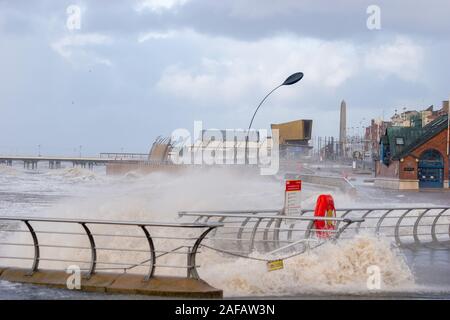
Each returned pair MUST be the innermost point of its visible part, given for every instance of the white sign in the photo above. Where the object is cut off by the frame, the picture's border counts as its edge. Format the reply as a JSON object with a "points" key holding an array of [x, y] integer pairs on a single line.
{"points": [[292, 197]]}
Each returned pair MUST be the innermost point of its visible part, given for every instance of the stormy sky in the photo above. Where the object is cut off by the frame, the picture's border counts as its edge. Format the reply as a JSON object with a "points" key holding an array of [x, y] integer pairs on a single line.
{"points": [[135, 70]]}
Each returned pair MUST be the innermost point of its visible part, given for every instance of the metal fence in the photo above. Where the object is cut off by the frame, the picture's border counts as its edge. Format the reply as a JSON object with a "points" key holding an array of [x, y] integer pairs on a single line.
{"points": [[124, 156], [409, 226], [245, 231], [147, 243], [149, 247], [267, 231]]}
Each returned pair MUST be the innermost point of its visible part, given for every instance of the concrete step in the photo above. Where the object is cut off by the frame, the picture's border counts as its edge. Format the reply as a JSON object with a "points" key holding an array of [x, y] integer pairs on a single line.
{"points": [[118, 283]]}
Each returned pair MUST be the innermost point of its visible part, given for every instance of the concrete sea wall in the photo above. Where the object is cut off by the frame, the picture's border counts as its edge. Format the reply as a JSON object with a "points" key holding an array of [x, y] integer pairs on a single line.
{"points": [[118, 283]]}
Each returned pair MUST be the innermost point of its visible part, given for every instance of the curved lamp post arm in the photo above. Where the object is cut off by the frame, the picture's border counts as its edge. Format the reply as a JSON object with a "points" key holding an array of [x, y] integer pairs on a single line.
{"points": [[251, 122], [262, 101], [293, 78]]}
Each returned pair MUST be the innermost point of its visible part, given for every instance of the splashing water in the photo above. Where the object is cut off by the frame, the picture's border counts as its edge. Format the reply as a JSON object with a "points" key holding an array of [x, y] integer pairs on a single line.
{"points": [[75, 174], [7, 170], [339, 267], [332, 268]]}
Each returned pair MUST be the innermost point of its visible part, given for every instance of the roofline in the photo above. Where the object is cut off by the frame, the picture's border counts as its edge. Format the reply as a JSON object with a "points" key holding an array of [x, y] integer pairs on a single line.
{"points": [[420, 141]]}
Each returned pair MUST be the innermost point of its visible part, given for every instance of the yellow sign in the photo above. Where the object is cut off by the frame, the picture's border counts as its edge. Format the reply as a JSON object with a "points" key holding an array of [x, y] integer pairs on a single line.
{"points": [[275, 265]]}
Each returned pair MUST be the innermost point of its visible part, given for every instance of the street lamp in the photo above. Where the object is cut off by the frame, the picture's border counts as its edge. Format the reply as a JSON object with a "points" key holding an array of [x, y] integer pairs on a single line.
{"points": [[293, 78]]}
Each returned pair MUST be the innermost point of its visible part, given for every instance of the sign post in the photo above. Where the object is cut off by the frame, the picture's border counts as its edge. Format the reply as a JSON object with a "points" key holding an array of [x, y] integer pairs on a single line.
{"points": [[292, 197]]}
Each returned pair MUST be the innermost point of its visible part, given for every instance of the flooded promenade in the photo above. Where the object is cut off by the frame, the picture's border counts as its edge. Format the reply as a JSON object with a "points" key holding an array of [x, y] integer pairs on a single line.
{"points": [[80, 193]]}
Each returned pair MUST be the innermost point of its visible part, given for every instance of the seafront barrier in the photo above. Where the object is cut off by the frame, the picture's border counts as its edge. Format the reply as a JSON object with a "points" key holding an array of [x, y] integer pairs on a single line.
{"points": [[340, 182], [116, 283], [133, 257]]}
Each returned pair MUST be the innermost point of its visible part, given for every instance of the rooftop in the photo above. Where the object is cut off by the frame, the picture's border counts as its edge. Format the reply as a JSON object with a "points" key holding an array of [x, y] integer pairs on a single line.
{"points": [[403, 140]]}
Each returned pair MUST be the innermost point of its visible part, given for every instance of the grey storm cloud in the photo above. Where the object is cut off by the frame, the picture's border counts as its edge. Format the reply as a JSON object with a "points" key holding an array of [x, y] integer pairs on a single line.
{"points": [[248, 19], [138, 69]]}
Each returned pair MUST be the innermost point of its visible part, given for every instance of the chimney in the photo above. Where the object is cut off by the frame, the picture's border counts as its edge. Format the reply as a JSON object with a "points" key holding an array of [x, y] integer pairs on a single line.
{"points": [[445, 105]]}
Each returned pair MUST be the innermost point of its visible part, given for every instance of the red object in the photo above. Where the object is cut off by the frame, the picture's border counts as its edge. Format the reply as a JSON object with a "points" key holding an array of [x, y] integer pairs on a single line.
{"points": [[293, 185], [325, 208]]}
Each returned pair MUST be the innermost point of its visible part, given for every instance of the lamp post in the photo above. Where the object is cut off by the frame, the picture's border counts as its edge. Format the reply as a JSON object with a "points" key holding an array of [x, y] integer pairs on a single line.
{"points": [[293, 78]]}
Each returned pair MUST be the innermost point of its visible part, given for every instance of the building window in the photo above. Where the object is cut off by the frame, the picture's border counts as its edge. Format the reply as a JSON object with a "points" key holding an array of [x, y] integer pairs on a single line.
{"points": [[399, 141]]}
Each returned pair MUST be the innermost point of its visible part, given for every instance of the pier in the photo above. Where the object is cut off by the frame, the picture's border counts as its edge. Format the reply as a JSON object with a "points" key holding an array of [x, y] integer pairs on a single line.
{"points": [[54, 162]]}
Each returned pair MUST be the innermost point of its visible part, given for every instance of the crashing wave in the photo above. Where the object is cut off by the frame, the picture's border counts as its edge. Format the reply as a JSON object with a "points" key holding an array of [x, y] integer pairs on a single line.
{"points": [[340, 267]]}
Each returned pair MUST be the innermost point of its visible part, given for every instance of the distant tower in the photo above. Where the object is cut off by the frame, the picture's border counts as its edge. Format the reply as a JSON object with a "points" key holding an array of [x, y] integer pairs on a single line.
{"points": [[342, 128]]}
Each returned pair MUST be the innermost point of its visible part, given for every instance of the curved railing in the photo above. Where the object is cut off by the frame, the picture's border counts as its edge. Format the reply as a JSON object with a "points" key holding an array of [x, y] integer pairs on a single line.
{"points": [[408, 226], [266, 230], [180, 244]]}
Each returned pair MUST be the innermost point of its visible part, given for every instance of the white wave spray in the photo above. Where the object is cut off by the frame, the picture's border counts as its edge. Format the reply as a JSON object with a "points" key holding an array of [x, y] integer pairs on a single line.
{"points": [[339, 267]]}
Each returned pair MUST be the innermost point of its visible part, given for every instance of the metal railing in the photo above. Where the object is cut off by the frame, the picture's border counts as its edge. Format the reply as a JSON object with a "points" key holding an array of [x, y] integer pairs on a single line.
{"points": [[268, 230], [178, 243], [409, 226], [124, 156]]}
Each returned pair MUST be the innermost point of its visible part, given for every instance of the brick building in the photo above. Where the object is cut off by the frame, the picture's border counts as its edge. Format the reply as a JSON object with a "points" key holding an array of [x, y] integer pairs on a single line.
{"points": [[414, 157], [372, 136]]}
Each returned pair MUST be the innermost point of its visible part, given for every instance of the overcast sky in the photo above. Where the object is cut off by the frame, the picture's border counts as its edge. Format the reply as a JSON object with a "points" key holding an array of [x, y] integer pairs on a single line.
{"points": [[138, 69]]}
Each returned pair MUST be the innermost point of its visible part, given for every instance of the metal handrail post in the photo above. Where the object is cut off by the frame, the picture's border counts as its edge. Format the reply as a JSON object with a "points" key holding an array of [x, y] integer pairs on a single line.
{"points": [[380, 221], [308, 229], [266, 233], [151, 269], [252, 238], [35, 265], [416, 226], [346, 212], [188, 269], [347, 222], [191, 267], [363, 217], [397, 226], [93, 250], [241, 230]]}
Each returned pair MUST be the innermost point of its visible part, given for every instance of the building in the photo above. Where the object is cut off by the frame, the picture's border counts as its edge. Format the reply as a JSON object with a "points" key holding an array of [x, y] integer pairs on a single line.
{"points": [[428, 115], [407, 118], [414, 157], [372, 136], [294, 138], [403, 119], [229, 145]]}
